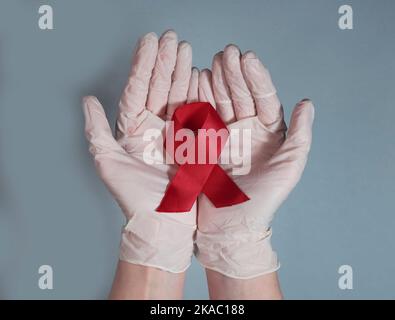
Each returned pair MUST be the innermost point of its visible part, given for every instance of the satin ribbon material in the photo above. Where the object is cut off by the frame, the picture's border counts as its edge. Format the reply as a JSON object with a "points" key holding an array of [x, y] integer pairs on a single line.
{"points": [[191, 179]]}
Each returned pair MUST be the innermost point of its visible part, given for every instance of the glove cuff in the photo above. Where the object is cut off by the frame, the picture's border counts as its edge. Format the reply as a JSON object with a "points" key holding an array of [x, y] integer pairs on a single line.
{"points": [[244, 257], [149, 241]]}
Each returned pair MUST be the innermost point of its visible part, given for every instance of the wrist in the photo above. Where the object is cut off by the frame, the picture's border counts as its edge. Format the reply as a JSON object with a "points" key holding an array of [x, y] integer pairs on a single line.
{"points": [[222, 287], [134, 281]]}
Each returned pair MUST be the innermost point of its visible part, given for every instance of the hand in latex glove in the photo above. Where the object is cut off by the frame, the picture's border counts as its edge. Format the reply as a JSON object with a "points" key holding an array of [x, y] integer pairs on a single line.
{"points": [[160, 79], [235, 241]]}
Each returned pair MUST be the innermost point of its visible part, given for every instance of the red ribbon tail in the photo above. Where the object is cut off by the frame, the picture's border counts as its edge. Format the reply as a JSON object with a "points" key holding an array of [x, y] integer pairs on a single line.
{"points": [[222, 191]]}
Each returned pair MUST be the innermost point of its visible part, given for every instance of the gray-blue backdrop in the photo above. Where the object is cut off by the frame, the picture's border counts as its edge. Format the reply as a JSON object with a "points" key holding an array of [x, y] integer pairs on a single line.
{"points": [[55, 210]]}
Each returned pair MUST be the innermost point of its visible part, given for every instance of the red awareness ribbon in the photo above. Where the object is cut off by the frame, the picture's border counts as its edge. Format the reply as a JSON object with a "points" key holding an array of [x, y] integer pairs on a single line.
{"points": [[191, 179]]}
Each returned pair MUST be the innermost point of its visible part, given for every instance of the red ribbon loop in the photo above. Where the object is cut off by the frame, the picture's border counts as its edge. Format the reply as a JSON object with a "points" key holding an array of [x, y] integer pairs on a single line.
{"points": [[209, 178]]}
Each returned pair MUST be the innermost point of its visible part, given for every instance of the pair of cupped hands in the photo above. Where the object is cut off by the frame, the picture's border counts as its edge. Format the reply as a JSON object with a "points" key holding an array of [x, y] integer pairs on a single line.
{"points": [[235, 240]]}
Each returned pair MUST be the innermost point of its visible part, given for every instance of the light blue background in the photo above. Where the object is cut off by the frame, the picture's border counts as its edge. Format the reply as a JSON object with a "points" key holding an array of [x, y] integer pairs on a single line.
{"points": [[55, 210]]}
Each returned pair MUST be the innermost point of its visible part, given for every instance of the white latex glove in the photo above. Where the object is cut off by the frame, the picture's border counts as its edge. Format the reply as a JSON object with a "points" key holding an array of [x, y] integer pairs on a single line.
{"points": [[160, 79], [235, 241]]}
